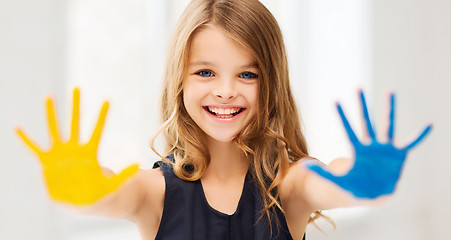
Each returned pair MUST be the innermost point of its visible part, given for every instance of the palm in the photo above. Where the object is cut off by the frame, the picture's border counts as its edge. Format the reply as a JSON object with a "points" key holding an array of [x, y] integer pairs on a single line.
{"points": [[377, 166], [71, 170]]}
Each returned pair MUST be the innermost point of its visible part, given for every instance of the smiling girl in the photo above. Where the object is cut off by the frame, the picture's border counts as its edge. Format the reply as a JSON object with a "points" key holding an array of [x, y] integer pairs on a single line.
{"points": [[235, 165]]}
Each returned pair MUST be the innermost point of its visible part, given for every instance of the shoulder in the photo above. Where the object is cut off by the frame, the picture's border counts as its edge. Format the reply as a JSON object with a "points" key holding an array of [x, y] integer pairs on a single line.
{"points": [[153, 180], [153, 184], [297, 211], [148, 215], [294, 177], [292, 185]]}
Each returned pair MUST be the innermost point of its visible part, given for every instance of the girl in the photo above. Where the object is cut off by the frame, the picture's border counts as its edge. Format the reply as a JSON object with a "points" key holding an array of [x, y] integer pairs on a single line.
{"points": [[236, 163]]}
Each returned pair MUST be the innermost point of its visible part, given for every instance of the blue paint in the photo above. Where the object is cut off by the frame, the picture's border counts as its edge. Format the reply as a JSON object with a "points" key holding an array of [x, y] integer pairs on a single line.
{"points": [[377, 165]]}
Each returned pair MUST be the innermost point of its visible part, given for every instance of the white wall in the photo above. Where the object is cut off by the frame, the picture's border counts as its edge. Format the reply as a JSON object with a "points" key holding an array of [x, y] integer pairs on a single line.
{"points": [[32, 53], [411, 55], [35, 57]]}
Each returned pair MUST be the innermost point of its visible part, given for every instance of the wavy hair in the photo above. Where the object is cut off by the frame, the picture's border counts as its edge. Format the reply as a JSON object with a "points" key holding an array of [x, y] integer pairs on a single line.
{"points": [[273, 139]]}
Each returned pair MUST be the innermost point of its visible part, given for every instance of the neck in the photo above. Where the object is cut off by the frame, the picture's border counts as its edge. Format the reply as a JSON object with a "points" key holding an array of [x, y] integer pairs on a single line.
{"points": [[226, 161]]}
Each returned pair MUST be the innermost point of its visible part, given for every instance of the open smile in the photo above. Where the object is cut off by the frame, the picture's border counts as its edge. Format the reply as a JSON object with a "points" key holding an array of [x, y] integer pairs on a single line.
{"points": [[223, 113]]}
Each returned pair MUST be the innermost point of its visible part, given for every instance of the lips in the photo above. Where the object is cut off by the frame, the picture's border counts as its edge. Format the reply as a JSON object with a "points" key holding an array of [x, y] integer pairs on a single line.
{"points": [[224, 112]]}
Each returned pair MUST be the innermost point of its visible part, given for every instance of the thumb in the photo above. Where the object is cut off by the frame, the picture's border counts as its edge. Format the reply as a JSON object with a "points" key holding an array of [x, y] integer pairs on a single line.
{"points": [[125, 174], [321, 171]]}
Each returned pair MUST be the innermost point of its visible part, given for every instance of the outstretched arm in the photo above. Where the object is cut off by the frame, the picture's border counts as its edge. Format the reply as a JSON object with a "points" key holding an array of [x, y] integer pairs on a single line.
{"points": [[371, 175], [74, 177]]}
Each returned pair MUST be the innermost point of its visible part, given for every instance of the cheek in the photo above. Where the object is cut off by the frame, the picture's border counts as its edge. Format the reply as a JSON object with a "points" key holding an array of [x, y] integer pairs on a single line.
{"points": [[252, 96], [188, 99], [191, 96], [189, 106]]}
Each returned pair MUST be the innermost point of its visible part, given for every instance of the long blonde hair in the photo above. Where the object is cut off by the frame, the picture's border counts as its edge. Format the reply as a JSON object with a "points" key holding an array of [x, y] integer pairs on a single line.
{"points": [[273, 139]]}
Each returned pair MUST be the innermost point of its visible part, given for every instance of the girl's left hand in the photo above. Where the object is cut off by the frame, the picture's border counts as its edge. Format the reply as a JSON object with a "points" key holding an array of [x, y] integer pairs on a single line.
{"points": [[377, 165]]}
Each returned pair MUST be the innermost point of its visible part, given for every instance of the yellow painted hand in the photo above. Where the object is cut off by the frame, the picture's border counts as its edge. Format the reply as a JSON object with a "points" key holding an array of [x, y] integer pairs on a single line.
{"points": [[70, 169]]}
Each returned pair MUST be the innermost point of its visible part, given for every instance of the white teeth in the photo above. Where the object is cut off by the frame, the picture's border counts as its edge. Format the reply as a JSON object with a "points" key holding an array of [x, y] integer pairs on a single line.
{"points": [[223, 111]]}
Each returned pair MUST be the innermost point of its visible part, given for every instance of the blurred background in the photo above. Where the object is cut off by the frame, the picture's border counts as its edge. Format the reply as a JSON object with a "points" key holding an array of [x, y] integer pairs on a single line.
{"points": [[114, 50]]}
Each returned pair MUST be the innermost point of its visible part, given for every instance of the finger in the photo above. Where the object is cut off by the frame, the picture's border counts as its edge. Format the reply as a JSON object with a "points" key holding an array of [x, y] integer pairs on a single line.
{"points": [[32, 145], [52, 120], [420, 137], [366, 116], [126, 174], [391, 128], [352, 137], [75, 126], [94, 141], [322, 172]]}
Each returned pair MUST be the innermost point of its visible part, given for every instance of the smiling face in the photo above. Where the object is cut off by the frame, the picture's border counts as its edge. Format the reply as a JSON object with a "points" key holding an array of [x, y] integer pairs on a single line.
{"points": [[220, 87]]}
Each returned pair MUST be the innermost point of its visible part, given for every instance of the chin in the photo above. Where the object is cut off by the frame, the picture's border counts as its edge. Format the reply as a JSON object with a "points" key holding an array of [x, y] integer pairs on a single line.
{"points": [[223, 138]]}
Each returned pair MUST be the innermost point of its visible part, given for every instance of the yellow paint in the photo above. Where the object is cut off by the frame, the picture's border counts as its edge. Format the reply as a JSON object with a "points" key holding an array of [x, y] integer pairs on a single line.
{"points": [[70, 169]]}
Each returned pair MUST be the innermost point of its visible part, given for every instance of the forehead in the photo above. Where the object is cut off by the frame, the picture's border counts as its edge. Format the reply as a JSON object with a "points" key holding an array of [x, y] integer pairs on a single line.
{"points": [[211, 45]]}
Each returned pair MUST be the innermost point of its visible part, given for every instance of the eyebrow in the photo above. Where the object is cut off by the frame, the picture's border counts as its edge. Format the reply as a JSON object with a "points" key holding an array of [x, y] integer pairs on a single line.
{"points": [[206, 63]]}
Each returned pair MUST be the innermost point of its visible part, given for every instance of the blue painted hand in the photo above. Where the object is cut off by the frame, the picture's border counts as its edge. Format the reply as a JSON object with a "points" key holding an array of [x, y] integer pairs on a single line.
{"points": [[377, 165]]}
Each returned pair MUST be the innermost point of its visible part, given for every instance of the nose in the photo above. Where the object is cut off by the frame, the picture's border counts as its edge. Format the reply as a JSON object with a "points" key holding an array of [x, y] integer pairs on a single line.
{"points": [[225, 88]]}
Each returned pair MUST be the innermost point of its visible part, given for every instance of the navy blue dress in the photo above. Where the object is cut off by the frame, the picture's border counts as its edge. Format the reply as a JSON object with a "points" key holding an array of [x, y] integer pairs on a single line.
{"points": [[188, 216]]}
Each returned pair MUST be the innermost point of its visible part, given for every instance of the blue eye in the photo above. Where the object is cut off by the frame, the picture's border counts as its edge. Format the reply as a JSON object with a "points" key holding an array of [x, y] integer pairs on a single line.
{"points": [[248, 75], [205, 73]]}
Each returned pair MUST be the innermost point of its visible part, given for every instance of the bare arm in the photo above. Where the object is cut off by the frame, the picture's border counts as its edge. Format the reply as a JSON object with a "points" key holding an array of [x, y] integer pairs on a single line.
{"points": [[319, 193], [147, 188]]}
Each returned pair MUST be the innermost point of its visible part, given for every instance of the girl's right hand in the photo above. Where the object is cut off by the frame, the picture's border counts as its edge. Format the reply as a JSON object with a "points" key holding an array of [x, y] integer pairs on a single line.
{"points": [[71, 171]]}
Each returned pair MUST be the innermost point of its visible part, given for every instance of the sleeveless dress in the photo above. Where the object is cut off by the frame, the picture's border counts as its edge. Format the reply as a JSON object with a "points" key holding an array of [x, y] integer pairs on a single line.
{"points": [[188, 216]]}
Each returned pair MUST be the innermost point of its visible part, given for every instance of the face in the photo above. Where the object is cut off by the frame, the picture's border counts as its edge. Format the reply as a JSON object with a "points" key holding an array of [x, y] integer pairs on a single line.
{"points": [[220, 88]]}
